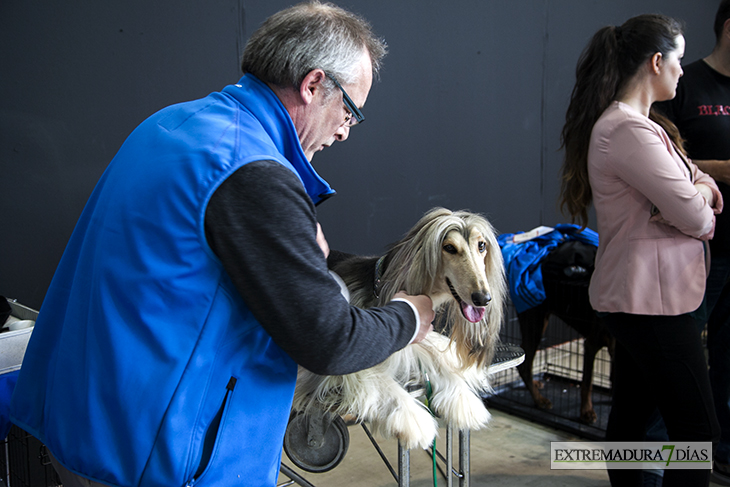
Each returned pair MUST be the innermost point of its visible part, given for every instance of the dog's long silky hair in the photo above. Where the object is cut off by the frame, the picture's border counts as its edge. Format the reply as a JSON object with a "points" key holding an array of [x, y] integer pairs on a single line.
{"points": [[412, 265]]}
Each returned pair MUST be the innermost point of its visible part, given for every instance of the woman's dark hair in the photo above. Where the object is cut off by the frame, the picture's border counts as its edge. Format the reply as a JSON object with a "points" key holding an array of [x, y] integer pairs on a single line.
{"points": [[611, 58]]}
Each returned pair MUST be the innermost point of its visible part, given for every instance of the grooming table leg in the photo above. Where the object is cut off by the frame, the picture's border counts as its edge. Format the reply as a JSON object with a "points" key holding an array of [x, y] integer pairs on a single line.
{"points": [[449, 457], [295, 477], [464, 480], [404, 466]]}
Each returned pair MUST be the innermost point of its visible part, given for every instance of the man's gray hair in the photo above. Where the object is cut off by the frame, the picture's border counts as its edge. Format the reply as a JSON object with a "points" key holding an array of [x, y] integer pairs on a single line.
{"points": [[295, 41]]}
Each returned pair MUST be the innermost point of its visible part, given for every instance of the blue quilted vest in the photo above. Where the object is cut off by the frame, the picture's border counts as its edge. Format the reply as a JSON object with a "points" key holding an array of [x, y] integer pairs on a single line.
{"points": [[143, 349]]}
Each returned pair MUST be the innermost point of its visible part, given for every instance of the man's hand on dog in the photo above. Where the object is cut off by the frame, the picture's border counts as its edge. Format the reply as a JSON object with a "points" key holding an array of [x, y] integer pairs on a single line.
{"points": [[424, 305]]}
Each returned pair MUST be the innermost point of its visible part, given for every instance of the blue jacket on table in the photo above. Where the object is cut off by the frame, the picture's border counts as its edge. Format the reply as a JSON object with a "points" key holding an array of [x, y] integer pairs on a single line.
{"points": [[122, 367]]}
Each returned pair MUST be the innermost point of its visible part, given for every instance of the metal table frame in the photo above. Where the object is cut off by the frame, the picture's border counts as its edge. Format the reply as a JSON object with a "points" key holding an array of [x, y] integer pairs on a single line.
{"points": [[404, 459], [506, 356], [403, 476]]}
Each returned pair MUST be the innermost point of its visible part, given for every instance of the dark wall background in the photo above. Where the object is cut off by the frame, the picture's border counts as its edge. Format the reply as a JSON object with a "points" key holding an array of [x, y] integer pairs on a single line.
{"points": [[467, 114]]}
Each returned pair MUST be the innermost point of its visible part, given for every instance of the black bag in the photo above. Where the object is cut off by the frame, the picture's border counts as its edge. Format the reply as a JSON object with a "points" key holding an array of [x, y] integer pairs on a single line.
{"points": [[566, 273], [571, 262], [5, 310]]}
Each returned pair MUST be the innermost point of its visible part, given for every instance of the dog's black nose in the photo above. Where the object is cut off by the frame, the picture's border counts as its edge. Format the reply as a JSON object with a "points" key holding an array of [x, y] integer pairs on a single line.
{"points": [[480, 298]]}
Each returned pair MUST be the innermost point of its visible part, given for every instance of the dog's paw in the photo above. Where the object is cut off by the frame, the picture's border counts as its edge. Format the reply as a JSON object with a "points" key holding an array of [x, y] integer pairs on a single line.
{"points": [[464, 411], [412, 424], [542, 402], [588, 417]]}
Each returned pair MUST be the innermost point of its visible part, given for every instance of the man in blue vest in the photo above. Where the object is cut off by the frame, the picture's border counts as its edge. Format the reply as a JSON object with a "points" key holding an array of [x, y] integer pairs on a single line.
{"points": [[195, 281]]}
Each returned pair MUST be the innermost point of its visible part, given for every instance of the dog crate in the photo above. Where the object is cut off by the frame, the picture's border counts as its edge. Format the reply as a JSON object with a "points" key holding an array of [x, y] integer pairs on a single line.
{"points": [[558, 366], [24, 460]]}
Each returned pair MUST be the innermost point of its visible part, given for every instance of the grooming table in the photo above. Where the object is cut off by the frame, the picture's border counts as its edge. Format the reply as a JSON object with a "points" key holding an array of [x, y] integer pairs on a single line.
{"points": [[319, 442]]}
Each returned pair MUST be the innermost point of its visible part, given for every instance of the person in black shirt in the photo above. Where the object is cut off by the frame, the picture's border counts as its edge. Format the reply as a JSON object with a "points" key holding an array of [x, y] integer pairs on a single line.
{"points": [[701, 112]]}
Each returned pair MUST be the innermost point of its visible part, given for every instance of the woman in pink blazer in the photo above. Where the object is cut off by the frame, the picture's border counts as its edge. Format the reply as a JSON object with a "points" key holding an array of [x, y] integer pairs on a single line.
{"points": [[655, 209]]}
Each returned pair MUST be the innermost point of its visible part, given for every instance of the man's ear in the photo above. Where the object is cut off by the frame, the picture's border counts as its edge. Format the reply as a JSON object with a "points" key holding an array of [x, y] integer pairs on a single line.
{"points": [[311, 85]]}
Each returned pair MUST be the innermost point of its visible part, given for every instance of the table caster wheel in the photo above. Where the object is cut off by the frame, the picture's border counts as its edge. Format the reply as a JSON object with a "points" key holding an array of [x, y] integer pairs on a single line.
{"points": [[316, 442]]}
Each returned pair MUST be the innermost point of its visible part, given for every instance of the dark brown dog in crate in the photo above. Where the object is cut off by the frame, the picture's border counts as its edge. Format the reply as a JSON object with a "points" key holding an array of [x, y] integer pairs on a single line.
{"points": [[566, 272]]}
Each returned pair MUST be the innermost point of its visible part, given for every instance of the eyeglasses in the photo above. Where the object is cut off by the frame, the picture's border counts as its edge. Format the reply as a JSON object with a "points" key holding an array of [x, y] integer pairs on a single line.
{"points": [[354, 115]]}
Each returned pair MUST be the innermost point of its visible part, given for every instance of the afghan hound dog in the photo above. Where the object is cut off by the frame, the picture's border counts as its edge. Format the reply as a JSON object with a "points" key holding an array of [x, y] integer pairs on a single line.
{"points": [[454, 258]]}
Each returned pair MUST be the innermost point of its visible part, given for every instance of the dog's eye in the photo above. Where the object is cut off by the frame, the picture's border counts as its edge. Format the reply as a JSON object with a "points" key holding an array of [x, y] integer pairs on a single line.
{"points": [[482, 247], [450, 249]]}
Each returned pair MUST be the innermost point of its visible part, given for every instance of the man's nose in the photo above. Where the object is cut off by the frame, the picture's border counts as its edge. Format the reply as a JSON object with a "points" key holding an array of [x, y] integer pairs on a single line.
{"points": [[342, 133]]}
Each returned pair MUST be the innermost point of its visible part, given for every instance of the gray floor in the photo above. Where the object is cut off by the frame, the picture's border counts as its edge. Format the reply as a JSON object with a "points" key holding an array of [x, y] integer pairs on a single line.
{"points": [[511, 452]]}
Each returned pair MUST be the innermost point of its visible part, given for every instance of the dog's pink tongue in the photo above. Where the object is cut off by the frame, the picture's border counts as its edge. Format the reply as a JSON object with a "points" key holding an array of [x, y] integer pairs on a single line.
{"points": [[472, 313]]}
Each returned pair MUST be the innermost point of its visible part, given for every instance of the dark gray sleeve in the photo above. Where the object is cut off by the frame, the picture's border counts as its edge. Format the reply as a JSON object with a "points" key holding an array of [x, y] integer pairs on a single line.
{"points": [[262, 225]]}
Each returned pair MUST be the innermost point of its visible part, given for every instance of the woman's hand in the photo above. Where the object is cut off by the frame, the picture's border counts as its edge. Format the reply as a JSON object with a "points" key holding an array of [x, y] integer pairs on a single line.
{"points": [[706, 192]]}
